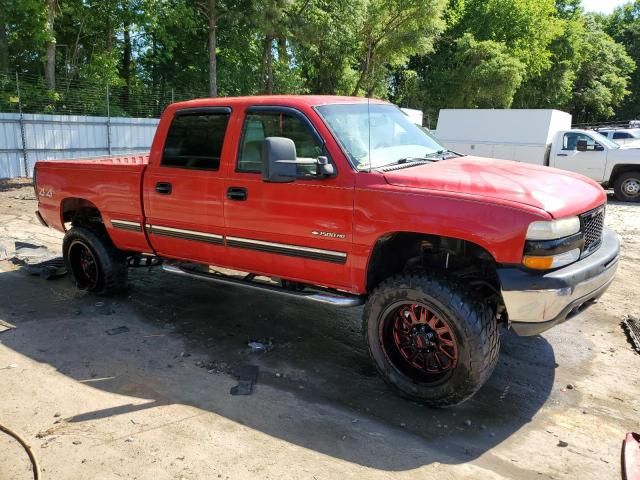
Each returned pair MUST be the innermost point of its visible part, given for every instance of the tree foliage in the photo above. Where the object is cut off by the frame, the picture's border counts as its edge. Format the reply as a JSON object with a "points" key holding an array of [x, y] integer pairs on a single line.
{"points": [[426, 54]]}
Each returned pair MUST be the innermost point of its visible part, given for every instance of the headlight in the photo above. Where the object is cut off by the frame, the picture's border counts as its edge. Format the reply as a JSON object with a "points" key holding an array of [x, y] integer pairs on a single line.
{"points": [[547, 262], [551, 230]]}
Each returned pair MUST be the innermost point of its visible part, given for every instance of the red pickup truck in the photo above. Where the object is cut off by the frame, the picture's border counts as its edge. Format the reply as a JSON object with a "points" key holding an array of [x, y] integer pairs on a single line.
{"points": [[344, 201]]}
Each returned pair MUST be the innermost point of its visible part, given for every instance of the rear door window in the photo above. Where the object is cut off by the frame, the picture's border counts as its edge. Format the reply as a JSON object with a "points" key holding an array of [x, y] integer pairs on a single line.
{"points": [[195, 140], [621, 135]]}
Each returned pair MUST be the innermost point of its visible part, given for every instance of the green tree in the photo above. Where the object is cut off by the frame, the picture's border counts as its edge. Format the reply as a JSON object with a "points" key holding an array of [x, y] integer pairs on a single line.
{"points": [[552, 87], [391, 32], [624, 27], [603, 78], [324, 43]]}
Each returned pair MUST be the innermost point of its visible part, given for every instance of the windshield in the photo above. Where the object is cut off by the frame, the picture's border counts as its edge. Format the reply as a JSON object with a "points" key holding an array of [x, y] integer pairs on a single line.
{"points": [[375, 135]]}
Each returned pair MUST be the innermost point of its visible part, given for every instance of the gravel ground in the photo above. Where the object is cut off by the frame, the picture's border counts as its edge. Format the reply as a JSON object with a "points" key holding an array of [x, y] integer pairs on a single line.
{"points": [[153, 402]]}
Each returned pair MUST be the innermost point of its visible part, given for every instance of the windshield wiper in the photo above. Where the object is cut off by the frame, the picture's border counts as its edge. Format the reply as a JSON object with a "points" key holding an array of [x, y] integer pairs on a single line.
{"points": [[442, 154]]}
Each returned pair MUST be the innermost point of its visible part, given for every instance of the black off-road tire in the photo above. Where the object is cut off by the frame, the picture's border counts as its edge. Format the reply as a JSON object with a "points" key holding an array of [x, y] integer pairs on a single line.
{"points": [[470, 319], [112, 272], [622, 184]]}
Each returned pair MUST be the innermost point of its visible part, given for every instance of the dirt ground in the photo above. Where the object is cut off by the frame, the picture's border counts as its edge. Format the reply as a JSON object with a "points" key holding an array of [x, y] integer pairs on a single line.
{"points": [[154, 402]]}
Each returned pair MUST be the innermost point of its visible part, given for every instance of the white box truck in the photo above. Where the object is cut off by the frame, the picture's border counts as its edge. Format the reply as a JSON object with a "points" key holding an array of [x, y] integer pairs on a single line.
{"points": [[542, 137]]}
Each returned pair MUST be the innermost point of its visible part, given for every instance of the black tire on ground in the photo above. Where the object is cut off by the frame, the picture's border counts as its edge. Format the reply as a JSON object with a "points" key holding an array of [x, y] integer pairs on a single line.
{"points": [[626, 187], [94, 262], [467, 331]]}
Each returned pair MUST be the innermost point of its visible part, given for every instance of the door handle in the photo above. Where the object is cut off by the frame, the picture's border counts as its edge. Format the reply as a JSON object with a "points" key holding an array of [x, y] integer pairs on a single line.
{"points": [[238, 194], [164, 188], [563, 155]]}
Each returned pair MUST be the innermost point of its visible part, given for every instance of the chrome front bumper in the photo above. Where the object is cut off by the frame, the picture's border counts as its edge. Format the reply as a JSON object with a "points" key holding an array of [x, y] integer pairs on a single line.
{"points": [[536, 302]]}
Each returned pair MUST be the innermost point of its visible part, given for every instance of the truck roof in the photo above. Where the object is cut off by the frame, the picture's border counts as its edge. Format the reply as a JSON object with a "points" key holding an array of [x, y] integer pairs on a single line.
{"points": [[284, 100]]}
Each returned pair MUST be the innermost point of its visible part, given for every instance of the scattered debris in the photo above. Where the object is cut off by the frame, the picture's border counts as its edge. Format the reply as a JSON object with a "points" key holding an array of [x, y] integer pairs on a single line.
{"points": [[214, 366], [9, 367], [247, 376], [4, 326], [52, 268], [562, 443], [570, 386], [467, 423], [257, 347], [185, 354], [631, 326], [504, 393], [57, 414], [77, 442], [261, 345], [403, 425], [117, 330], [129, 439]]}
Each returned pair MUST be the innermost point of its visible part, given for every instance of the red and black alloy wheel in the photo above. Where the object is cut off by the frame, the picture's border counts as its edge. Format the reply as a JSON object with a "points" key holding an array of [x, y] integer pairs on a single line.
{"points": [[419, 342], [433, 339], [84, 265]]}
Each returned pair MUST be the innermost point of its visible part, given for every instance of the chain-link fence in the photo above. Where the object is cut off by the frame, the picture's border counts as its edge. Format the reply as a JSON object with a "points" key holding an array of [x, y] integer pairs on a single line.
{"points": [[28, 93]]}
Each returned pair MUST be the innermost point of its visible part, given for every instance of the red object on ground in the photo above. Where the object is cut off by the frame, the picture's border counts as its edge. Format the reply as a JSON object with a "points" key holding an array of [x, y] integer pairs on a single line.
{"points": [[631, 457]]}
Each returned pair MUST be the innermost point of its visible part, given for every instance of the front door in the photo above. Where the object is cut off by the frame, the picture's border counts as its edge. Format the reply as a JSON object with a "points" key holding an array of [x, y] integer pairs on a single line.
{"points": [[299, 231], [183, 195], [591, 163]]}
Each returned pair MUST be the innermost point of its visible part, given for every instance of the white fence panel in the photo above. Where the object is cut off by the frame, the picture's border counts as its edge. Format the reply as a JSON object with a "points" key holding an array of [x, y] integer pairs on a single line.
{"points": [[55, 137]]}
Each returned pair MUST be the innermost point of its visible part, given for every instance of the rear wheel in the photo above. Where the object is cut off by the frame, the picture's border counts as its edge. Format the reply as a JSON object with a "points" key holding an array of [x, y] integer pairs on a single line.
{"points": [[94, 262], [627, 187], [432, 340]]}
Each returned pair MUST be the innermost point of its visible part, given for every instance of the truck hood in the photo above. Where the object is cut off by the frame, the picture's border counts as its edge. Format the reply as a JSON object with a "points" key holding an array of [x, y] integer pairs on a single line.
{"points": [[558, 192]]}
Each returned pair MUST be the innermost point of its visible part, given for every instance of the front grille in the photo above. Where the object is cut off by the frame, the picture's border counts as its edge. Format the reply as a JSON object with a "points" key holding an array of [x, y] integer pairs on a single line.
{"points": [[592, 223]]}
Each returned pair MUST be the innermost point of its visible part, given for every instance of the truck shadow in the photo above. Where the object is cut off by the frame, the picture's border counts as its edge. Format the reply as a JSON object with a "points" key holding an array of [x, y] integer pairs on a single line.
{"points": [[317, 387]]}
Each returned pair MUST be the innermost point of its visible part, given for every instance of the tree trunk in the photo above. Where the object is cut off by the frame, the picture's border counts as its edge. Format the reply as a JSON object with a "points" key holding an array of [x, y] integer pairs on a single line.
{"points": [[283, 54], [50, 66], [4, 44], [126, 64], [363, 72], [267, 64], [213, 63]]}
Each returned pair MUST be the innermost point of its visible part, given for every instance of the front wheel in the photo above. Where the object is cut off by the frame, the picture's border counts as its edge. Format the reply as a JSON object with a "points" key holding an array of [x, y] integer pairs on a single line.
{"points": [[626, 188], [433, 341]]}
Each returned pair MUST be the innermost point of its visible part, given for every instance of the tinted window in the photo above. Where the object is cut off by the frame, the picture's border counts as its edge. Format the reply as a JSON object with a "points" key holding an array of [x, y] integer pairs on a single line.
{"points": [[619, 135], [195, 140], [258, 126]]}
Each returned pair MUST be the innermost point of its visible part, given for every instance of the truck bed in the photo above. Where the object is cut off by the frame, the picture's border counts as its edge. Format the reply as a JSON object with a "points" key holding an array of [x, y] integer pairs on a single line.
{"points": [[112, 185]]}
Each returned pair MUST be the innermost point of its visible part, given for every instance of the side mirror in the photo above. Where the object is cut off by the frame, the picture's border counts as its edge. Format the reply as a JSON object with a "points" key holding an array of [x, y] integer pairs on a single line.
{"points": [[325, 168], [582, 146], [278, 160]]}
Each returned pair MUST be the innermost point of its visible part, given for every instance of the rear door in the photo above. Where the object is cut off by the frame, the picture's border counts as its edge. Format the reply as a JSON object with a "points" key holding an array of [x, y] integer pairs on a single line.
{"points": [[300, 230], [183, 194]]}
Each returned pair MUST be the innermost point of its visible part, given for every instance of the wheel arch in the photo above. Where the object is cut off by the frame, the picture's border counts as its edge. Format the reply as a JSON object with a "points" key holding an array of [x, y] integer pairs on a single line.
{"points": [[79, 211], [621, 169], [395, 251]]}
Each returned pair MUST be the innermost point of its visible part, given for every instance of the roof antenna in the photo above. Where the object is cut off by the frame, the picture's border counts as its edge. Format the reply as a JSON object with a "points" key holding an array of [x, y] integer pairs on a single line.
{"points": [[369, 128]]}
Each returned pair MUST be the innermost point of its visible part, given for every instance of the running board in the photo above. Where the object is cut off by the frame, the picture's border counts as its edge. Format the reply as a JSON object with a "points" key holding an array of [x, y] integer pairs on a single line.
{"points": [[336, 299]]}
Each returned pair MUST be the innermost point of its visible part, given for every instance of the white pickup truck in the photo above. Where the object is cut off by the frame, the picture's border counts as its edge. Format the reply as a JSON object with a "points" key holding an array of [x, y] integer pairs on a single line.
{"points": [[542, 137]]}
